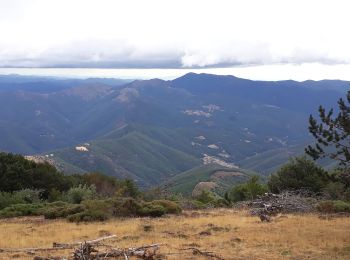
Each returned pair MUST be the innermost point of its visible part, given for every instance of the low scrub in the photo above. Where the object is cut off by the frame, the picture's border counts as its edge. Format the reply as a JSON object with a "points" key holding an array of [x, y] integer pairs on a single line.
{"points": [[150, 209], [88, 216], [246, 191], [335, 206], [25, 196], [126, 207], [62, 211], [18, 210], [170, 207], [93, 210]]}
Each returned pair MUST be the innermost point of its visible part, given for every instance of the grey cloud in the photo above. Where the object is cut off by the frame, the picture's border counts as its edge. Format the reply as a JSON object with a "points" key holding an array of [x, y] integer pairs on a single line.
{"points": [[121, 54]]}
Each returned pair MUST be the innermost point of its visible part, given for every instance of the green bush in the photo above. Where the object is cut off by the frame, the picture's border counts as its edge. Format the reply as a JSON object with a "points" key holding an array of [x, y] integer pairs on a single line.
{"points": [[7, 199], [25, 196], [82, 192], [346, 195], [99, 205], [150, 209], [126, 207], [18, 210], [28, 195], [341, 206], [335, 206], [334, 190], [89, 215], [55, 195], [91, 210], [63, 211], [246, 191], [170, 207], [297, 174], [206, 197]]}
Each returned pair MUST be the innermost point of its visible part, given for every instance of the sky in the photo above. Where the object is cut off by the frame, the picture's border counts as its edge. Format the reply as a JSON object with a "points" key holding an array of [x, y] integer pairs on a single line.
{"points": [[269, 39]]}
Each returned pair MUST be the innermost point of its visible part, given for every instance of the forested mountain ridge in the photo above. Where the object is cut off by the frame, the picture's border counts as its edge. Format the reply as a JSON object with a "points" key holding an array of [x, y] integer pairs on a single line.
{"points": [[151, 130]]}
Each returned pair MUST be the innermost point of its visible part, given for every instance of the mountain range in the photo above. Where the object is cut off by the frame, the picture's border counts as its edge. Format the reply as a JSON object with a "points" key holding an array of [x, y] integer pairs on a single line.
{"points": [[154, 131]]}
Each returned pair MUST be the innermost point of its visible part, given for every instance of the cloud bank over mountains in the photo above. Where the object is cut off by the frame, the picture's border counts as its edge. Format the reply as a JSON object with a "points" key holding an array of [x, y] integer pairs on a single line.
{"points": [[172, 34]]}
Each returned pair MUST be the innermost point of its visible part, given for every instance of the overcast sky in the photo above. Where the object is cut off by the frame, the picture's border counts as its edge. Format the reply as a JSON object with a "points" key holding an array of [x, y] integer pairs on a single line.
{"points": [[175, 34]]}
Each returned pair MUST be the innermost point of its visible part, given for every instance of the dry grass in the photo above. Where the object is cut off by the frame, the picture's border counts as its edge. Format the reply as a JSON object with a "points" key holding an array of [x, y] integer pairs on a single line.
{"points": [[228, 233]]}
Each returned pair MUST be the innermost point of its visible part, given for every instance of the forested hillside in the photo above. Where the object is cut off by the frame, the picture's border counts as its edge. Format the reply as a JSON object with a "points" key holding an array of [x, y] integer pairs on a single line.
{"points": [[152, 130]]}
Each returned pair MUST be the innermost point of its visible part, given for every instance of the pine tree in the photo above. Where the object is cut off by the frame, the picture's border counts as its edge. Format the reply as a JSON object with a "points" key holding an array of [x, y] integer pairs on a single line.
{"points": [[332, 134]]}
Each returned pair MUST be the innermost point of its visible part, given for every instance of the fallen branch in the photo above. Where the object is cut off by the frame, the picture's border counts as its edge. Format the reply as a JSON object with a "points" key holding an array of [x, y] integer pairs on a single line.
{"points": [[145, 252], [55, 246], [71, 245], [27, 250], [196, 251]]}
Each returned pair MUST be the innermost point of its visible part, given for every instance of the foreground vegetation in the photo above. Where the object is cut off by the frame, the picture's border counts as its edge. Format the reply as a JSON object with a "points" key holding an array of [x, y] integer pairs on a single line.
{"points": [[228, 233]]}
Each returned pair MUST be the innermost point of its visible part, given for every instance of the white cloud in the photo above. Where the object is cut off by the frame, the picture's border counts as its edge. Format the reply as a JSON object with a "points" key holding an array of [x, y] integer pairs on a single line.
{"points": [[159, 33]]}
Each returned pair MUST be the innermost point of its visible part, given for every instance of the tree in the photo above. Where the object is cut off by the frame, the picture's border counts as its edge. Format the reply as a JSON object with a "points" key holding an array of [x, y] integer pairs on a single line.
{"points": [[299, 173], [332, 134], [17, 173], [246, 191]]}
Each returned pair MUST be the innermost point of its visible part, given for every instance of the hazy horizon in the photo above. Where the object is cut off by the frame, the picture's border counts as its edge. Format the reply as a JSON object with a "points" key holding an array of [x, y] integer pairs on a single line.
{"points": [[297, 72]]}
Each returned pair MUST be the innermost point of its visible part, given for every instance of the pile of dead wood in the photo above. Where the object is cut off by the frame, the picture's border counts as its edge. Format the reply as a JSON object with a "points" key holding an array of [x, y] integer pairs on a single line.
{"points": [[299, 201], [87, 251], [90, 250], [96, 249]]}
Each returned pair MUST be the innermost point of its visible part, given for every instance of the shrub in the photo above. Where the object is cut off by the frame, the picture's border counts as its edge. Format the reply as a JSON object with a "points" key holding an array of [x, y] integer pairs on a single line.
{"points": [[334, 190], [336, 206], [91, 210], [170, 207], [206, 197], [246, 191], [99, 205], [28, 195], [55, 195], [19, 197], [127, 189], [346, 195], [341, 206], [7, 199], [88, 215], [18, 210], [82, 192], [126, 207], [297, 174], [106, 186], [62, 211], [150, 209]]}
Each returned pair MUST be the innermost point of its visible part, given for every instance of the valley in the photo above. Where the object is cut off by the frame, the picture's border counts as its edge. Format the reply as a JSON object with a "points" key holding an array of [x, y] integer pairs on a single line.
{"points": [[154, 130]]}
